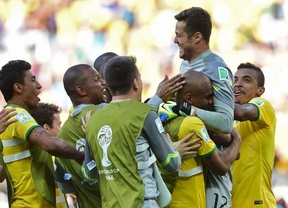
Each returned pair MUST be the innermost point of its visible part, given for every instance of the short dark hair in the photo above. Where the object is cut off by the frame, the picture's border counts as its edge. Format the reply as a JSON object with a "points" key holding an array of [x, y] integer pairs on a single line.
{"points": [[119, 74], [101, 60], [11, 73], [197, 20], [75, 75], [44, 113], [260, 74]]}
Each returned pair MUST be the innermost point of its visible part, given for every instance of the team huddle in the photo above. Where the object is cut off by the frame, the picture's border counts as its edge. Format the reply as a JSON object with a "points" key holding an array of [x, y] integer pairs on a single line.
{"points": [[205, 139]]}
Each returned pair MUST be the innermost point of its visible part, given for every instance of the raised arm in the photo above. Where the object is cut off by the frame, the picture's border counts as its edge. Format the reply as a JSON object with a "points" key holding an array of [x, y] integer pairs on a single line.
{"points": [[220, 120], [166, 89], [160, 144], [54, 145]]}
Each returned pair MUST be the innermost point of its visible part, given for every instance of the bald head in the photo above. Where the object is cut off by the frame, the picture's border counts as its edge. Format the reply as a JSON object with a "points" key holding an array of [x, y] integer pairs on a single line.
{"points": [[74, 76], [101, 60], [197, 91]]}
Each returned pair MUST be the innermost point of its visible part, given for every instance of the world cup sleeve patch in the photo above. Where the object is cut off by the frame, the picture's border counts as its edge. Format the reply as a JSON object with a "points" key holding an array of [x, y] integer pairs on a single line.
{"points": [[223, 73], [23, 117], [159, 125], [257, 102], [204, 134]]}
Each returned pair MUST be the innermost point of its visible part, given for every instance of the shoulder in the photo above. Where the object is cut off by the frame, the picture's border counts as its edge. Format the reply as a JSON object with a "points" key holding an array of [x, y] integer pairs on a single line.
{"points": [[23, 116], [193, 123], [262, 103]]}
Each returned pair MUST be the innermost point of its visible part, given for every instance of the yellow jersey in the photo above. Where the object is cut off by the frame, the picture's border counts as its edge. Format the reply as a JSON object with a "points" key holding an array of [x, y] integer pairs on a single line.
{"points": [[190, 186], [252, 173], [20, 160]]}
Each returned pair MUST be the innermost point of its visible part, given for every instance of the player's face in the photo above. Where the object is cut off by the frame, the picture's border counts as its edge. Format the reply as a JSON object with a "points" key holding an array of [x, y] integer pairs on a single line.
{"points": [[30, 91], [185, 44], [245, 85], [56, 125], [203, 98], [94, 86]]}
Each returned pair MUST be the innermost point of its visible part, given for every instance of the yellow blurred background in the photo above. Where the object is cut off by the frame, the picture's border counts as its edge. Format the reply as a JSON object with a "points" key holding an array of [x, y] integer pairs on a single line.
{"points": [[55, 34]]}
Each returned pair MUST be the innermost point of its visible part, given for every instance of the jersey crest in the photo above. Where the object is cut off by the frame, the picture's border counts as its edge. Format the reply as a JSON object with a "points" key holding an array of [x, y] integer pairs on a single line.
{"points": [[104, 138]]}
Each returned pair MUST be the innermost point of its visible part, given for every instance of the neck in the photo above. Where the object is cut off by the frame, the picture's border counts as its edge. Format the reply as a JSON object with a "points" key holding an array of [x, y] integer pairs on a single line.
{"points": [[125, 97], [20, 104], [199, 51]]}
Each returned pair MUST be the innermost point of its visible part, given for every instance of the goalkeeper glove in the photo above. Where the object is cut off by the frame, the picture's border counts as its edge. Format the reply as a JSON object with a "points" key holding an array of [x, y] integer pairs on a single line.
{"points": [[165, 111], [171, 109]]}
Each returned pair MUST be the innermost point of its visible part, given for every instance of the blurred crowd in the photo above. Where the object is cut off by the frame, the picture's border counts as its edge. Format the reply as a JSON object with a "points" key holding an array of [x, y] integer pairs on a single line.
{"points": [[55, 34]]}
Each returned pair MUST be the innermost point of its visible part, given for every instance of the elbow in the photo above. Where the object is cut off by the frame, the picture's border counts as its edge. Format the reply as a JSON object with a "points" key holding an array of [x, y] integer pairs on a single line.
{"points": [[227, 128], [221, 171], [223, 124], [174, 165]]}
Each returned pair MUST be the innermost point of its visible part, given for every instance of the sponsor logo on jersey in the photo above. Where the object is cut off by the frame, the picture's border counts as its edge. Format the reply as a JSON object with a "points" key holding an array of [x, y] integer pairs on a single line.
{"points": [[23, 117]]}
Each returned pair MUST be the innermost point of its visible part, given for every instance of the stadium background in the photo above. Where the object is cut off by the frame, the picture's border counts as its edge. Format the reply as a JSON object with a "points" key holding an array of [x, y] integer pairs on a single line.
{"points": [[55, 34]]}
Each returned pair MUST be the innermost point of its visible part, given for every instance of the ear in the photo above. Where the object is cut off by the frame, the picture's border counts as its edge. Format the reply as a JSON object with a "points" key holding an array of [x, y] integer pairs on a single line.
{"points": [[135, 85], [197, 37], [17, 87], [46, 127], [260, 91], [188, 98], [80, 90]]}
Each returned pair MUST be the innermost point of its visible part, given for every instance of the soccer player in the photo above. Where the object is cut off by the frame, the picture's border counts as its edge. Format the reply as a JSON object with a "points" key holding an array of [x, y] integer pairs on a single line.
{"points": [[256, 123], [5, 121], [48, 116], [193, 30], [27, 147], [125, 138], [197, 92]]}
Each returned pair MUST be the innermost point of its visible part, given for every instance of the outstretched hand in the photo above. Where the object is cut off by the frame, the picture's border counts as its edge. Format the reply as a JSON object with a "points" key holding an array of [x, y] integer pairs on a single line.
{"points": [[186, 146], [5, 115], [167, 87]]}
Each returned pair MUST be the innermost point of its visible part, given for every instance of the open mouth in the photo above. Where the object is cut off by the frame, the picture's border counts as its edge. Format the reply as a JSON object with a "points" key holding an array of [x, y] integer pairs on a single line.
{"points": [[106, 95], [238, 92]]}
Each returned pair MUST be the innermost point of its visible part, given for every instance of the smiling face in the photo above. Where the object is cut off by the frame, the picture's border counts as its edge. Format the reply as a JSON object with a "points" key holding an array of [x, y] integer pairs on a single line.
{"points": [[185, 44], [29, 91], [246, 86]]}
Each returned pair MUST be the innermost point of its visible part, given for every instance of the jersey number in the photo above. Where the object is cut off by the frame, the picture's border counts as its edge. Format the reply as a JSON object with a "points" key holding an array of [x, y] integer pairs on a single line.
{"points": [[216, 201]]}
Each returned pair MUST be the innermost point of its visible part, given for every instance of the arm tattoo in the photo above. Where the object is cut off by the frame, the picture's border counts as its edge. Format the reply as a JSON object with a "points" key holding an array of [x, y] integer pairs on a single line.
{"points": [[69, 151], [39, 131]]}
